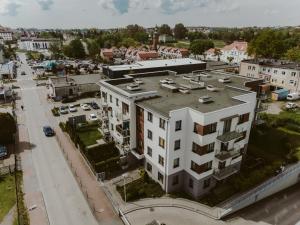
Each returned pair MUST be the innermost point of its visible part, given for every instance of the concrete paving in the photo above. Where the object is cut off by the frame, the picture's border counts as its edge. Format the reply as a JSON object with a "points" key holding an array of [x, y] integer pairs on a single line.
{"points": [[52, 180]]}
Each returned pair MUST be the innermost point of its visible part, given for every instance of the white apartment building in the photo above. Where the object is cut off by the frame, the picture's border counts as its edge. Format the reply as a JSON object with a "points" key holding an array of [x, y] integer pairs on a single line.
{"points": [[190, 130], [235, 52], [1, 55], [278, 73], [36, 44], [6, 35]]}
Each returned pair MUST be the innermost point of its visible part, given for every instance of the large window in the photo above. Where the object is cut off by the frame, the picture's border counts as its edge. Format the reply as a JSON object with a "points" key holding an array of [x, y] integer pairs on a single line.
{"points": [[162, 123], [161, 160], [150, 117], [177, 145], [178, 125], [149, 167], [160, 177], [149, 151], [201, 168], [161, 142], [204, 130], [176, 163], [110, 98], [203, 150], [149, 135], [244, 118]]}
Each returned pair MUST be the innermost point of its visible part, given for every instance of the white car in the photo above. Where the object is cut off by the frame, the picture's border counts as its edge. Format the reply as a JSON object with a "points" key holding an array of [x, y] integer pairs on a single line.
{"points": [[63, 110], [291, 105], [85, 107], [72, 108], [93, 117]]}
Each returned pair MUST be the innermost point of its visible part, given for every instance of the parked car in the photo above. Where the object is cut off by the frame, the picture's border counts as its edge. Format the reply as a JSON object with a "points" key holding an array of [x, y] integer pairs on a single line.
{"points": [[85, 107], [3, 151], [63, 110], [95, 105], [293, 96], [23, 73], [72, 108], [291, 105], [93, 117], [48, 131]]}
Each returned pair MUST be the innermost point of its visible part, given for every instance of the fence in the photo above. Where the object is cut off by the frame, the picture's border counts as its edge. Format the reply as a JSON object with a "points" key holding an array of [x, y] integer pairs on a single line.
{"points": [[285, 179]]}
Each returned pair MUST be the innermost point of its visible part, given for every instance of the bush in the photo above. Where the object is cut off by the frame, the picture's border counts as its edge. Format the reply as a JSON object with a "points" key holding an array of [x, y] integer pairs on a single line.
{"points": [[55, 111], [63, 126]]}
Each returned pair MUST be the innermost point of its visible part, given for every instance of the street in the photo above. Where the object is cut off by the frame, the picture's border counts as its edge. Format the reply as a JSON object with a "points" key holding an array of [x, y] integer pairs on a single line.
{"points": [[64, 201]]}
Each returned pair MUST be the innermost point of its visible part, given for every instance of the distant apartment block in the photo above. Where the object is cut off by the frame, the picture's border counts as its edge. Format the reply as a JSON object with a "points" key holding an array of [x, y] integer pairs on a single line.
{"points": [[190, 130], [6, 34], [184, 65], [279, 73], [36, 44]]}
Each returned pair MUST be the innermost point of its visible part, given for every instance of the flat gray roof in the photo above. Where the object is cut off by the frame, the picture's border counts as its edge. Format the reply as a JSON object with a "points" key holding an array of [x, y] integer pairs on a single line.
{"points": [[167, 100], [77, 79], [156, 64]]}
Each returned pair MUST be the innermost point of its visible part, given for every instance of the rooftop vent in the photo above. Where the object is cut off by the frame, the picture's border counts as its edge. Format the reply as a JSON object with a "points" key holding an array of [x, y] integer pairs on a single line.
{"points": [[205, 99], [225, 80], [206, 75], [133, 87], [170, 87], [138, 81], [184, 90], [211, 88], [167, 81]]}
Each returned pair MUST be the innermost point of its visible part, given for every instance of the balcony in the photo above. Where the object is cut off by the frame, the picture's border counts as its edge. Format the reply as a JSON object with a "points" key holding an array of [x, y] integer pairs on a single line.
{"points": [[224, 155], [123, 132], [221, 174], [229, 136]]}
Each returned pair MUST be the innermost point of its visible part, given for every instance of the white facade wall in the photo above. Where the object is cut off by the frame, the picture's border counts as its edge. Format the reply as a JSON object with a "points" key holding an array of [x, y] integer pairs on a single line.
{"points": [[30, 45], [7, 36], [237, 56]]}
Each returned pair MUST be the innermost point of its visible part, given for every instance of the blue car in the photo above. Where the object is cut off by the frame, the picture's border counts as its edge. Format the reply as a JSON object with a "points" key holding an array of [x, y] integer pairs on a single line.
{"points": [[48, 131]]}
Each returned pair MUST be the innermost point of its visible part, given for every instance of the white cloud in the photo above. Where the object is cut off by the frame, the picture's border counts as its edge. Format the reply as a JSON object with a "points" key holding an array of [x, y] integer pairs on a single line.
{"points": [[45, 4], [9, 7]]}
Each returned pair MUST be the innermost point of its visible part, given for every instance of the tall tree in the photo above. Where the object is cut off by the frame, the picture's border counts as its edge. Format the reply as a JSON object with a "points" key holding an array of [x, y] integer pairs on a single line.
{"points": [[293, 54], [7, 128], [180, 31], [75, 49], [56, 50], [198, 47], [165, 29]]}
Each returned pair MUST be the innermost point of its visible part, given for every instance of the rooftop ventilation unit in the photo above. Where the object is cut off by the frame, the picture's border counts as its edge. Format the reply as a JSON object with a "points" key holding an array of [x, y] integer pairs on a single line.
{"points": [[167, 81], [138, 81], [206, 75], [133, 87], [187, 77], [225, 80], [170, 87], [184, 90], [211, 88], [205, 99]]}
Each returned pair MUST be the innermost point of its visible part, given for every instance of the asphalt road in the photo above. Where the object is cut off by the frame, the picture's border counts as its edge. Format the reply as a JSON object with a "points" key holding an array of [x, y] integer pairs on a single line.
{"points": [[280, 209], [64, 201]]}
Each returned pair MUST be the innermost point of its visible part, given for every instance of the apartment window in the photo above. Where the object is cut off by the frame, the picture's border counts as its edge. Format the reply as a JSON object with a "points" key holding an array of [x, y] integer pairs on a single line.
{"points": [[191, 183], [149, 134], [253, 68], [175, 180], [222, 165], [206, 183], [249, 67], [275, 71], [177, 145], [203, 150], [293, 74], [117, 102], [161, 160], [161, 142], [160, 177], [178, 125], [162, 123], [283, 72], [204, 130], [201, 168], [112, 126], [149, 167], [150, 117], [149, 151], [110, 98], [243, 118], [176, 163]]}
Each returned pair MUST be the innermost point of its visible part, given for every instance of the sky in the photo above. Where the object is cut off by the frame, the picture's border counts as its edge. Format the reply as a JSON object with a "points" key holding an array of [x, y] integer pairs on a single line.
{"points": [[148, 13]]}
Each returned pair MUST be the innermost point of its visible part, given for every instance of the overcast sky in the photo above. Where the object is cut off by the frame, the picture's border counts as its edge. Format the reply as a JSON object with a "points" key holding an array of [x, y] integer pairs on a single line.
{"points": [[118, 13]]}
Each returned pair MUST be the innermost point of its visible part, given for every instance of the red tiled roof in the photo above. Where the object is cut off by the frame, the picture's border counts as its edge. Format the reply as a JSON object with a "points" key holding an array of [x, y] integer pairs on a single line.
{"points": [[148, 55], [239, 45]]}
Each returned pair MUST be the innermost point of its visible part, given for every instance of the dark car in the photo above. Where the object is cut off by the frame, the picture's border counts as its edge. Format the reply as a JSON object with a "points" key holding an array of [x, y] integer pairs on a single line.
{"points": [[23, 73], [48, 131], [95, 105]]}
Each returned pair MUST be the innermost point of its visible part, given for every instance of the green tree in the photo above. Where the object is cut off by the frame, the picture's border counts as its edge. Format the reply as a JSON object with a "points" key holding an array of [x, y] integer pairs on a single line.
{"points": [[165, 29], [75, 49], [7, 128], [198, 47], [127, 42], [56, 50], [293, 54], [269, 44], [196, 35], [94, 48], [180, 31]]}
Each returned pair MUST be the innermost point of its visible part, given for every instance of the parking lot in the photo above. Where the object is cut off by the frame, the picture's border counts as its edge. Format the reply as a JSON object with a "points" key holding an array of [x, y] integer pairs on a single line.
{"points": [[80, 111]]}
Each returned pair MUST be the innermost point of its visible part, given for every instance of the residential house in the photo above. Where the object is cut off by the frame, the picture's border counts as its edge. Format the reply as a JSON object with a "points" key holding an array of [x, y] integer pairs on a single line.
{"points": [[235, 52], [6, 34], [173, 53]]}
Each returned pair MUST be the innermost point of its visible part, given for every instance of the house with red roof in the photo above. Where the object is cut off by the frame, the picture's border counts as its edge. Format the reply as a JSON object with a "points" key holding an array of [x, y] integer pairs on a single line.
{"points": [[235, 52]]}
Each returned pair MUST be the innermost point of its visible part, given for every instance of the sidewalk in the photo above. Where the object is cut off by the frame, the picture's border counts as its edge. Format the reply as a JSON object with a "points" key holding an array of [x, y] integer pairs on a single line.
{"points": [[90, 187]]}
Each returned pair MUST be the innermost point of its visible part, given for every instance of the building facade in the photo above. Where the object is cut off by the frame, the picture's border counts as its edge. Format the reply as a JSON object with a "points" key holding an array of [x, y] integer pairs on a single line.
{"points": [[6, 34], [36, 44], [191, 131], [278, 73], [235, 52]]}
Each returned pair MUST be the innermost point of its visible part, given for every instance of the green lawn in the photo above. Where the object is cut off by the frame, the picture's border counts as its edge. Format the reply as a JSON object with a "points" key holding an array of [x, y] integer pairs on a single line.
{"points": [[182, 44], [89, 137], [7, 194], [219, 43]]}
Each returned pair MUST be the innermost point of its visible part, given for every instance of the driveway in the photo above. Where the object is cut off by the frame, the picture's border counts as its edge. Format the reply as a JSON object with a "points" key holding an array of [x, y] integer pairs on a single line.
{"points": [[50, 173]]}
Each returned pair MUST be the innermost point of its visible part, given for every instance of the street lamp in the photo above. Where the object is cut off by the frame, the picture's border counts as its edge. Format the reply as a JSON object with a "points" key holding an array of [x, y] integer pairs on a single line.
{"points": [[125, 175]]}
